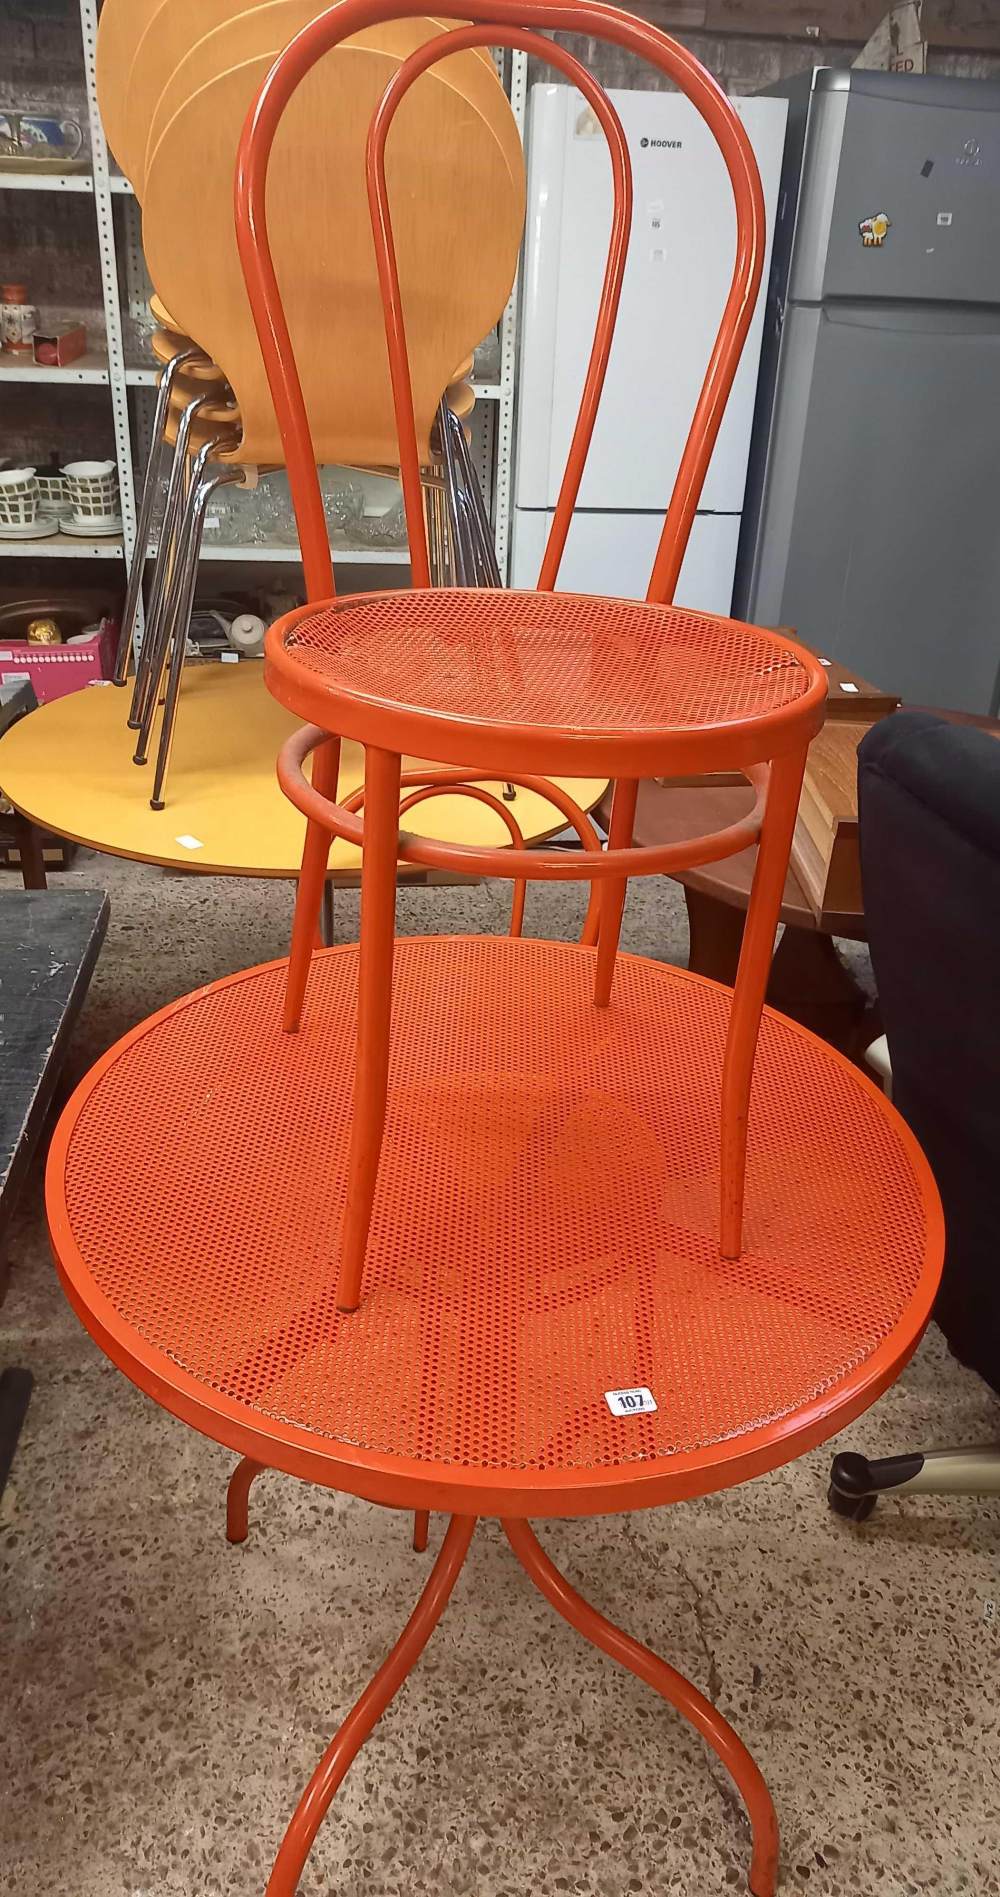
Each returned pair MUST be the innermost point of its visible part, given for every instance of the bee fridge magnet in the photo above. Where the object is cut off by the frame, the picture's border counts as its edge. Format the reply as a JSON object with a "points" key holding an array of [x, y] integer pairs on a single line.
{"points": [[873, 229]]}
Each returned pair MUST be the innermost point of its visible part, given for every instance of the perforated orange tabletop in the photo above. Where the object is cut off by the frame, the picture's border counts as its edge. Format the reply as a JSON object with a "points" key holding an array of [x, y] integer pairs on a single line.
{"points": [[545, 1231]]}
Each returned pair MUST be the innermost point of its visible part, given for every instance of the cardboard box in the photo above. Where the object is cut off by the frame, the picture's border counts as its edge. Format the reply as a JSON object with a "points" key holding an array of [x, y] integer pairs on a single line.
{"points": [[60, 344]]}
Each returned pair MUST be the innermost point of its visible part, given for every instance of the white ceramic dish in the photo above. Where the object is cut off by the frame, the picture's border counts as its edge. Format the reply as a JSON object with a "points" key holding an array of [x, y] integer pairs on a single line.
{"points": [[90, 529], [39, 529]]}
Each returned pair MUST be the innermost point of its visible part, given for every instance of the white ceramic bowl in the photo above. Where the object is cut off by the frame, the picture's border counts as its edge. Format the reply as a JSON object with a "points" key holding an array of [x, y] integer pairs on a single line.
{"points": [[88, 470]]}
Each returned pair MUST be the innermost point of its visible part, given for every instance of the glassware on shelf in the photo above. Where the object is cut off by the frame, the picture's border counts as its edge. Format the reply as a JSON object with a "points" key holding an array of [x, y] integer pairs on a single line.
{"points": [[387, 529], [137, 337], [486, 361], [343, 499]]}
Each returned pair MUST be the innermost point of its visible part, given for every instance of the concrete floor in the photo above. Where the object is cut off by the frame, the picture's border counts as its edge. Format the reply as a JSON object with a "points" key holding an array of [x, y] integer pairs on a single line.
{"points": [[166, 1696]]}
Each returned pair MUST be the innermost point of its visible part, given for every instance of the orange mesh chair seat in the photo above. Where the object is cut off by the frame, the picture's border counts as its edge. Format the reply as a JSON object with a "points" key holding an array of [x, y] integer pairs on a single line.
{"points": [[553, 681], [510, 1232]]}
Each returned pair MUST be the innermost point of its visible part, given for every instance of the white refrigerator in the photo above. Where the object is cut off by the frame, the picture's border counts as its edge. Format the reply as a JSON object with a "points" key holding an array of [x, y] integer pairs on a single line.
{"points": [[677, 277]]}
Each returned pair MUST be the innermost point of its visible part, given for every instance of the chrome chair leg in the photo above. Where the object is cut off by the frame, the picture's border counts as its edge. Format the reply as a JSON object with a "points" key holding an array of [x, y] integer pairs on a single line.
{"points": [[171, 602], [431, 530], [476, 561], [203, 489], [483, 532], [461, 550], [469, 516], [173, 512], [440, 543], [133, 591]]}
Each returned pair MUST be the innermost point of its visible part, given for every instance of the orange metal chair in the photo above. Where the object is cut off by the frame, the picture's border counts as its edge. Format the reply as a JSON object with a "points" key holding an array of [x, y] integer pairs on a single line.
{"points": [[506, 1235]]}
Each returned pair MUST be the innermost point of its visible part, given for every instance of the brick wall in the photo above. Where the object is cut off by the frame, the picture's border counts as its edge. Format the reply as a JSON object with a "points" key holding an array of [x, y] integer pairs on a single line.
{"points": [[746, 62]]}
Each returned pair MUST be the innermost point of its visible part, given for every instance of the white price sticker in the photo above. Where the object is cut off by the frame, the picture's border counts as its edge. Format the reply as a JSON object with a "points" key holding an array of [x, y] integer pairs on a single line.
{"points": [[189, 843], [848, 685], [230, 658], [630, 1402]]}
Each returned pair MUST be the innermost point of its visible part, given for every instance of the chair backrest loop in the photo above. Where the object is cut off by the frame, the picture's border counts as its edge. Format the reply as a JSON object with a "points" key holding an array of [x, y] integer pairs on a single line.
{"points": [[502, 23]]}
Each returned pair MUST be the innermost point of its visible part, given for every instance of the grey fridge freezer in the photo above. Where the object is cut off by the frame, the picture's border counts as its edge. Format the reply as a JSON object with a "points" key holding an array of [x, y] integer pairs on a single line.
{"points": [[872, 517]]}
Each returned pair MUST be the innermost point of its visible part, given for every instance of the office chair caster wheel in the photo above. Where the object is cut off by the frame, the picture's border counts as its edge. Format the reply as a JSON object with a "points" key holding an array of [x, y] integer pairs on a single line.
{"points": [[853, 1492], [853, 1508]]}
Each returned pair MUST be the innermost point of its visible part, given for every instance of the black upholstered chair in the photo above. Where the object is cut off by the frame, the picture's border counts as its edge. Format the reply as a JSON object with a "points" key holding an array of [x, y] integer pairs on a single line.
{"points": [[929, 810]]}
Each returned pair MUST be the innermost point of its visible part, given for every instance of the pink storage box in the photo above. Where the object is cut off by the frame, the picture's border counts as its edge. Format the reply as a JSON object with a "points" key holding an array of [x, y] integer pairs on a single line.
{"points": [[56, 670]]}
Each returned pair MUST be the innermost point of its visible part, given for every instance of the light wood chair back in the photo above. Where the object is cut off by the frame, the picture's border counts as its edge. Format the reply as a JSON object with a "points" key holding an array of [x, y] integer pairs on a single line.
{"points": [[119, 31], [456, 269], [191, 41]]}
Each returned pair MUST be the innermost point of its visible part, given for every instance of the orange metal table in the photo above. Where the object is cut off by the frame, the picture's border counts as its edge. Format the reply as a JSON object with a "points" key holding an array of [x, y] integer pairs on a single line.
{"points": [[504, 1299], [486, 1246]]}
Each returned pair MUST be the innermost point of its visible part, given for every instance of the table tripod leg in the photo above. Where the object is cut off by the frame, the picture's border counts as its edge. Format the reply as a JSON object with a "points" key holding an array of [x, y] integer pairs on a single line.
{"points": [[665, 1680], [238, 1496], [357, 1727]]}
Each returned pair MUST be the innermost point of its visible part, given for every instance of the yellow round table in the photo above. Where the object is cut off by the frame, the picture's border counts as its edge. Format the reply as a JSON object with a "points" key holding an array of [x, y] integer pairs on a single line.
{"points": [[68, 767]]}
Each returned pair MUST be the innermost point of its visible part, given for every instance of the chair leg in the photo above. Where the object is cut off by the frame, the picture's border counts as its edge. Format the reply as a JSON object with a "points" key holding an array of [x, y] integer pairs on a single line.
{"points": [[238, 1497], [614, 890], [378, 919], [343, 1749], [311, 885], [187, 581], [133, 592], [673, 1687], [763, 912], [421, 1527], [457, 516], [480, 549], [151, 655]]}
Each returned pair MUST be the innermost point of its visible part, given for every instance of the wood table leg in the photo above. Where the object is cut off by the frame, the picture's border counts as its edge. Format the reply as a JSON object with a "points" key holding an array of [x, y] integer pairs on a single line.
{"points": [[810, 982], [29, 843], [715, 931], [808, 979]]}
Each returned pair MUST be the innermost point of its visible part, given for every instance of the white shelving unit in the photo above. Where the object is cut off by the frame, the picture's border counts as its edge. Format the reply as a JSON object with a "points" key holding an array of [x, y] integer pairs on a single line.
{"points": [[31, 181], [107, 368]]}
